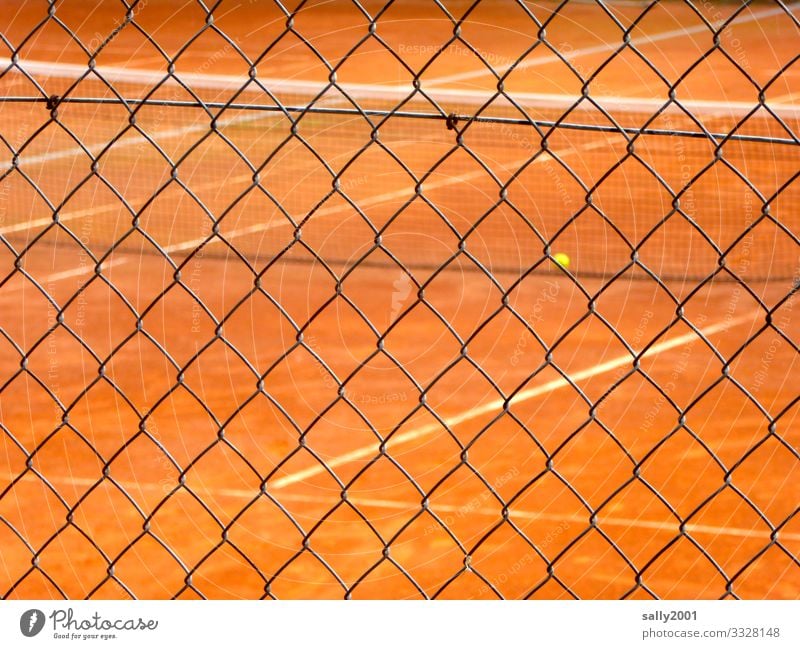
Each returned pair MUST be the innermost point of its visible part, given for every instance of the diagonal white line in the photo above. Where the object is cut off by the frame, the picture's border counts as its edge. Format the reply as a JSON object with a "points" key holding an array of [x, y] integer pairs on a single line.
{"points": [[183, 246], [406, 505], [497, 406], [610, 47]]}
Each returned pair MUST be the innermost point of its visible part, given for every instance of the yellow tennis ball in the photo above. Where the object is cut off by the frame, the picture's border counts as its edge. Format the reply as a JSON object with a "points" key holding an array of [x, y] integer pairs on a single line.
{"points": [[562, 259]]}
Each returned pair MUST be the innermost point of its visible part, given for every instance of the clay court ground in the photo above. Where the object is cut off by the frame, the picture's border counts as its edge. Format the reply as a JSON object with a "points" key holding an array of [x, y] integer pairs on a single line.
{"points": [[243, 361]]}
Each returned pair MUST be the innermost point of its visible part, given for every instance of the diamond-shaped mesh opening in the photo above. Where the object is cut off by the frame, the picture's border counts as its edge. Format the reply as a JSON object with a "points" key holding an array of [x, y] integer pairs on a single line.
{"points": [[399, 300]]}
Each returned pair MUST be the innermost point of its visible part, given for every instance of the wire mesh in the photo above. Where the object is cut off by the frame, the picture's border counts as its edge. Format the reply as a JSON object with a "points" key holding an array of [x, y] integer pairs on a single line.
{"points": [[257, 259]]}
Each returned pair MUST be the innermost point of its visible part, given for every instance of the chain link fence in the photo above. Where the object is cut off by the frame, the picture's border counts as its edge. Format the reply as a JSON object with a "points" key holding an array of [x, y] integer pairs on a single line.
{"points": [[365, 299]]}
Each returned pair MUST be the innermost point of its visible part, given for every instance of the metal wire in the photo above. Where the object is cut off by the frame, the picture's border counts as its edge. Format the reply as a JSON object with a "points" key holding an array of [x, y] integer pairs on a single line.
{"points": [[528, 133], [452, 118]]}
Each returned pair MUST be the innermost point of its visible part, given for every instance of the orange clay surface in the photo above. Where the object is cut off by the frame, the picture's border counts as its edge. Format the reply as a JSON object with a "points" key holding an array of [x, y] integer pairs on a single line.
{"points": [[225, 427]]}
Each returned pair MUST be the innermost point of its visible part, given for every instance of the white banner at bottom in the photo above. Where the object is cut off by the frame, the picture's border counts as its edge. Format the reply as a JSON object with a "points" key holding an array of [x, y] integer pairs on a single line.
{"points": [[400, 625]]}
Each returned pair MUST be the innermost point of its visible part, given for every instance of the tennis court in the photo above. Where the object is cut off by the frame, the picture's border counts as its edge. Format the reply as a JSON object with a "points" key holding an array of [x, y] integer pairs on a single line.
{"points": [[282, 315]]}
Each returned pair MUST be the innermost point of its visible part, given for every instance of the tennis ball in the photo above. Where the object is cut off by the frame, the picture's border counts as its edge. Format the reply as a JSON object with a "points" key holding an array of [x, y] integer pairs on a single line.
{"points": [[562, 259]]}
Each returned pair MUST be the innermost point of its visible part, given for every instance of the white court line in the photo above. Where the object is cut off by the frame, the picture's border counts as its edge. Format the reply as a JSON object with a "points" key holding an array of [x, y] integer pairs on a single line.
{"points": [[88, 268], [496, 406], [612, 521], [445, 96], [280, 223], [84, 270], [383, 503], [376, 200], [65, 217], [791, 97], [67, 274], [610, 47], [132, 138]]}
